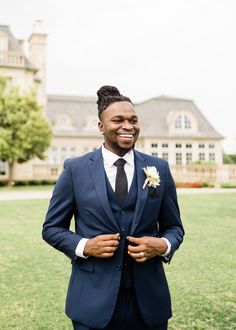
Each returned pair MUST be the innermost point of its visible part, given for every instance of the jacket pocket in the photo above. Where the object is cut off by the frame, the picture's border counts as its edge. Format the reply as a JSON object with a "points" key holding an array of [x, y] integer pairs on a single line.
{"points": [[85, 264]]}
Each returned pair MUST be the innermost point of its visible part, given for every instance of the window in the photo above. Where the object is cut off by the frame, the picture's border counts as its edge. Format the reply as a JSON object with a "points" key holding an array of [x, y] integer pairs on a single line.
{"points": [[212, 156], [165, 155], [154, 145], [211, 146], [3, 167], [3, 43], [188, 145], [201, 156], [54, 149], [178, 122], [154, 154], [201, 145], [187, 122], [54, 159], [182, 122], [188, 157], [164, 145], [54, 171], [178, 145], [178, 158], [63, 149], [63, 122]]}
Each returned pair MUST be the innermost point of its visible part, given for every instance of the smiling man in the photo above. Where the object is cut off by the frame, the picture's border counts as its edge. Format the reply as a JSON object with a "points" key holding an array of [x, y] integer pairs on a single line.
{"points": [[127, 223]]}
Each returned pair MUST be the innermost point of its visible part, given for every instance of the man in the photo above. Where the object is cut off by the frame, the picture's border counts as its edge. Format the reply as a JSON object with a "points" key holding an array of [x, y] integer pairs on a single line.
{"points": [[127, 223]]}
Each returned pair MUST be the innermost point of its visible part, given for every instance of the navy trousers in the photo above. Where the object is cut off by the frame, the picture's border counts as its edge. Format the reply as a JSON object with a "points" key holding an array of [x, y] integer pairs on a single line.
{"points": [[126, 315]]}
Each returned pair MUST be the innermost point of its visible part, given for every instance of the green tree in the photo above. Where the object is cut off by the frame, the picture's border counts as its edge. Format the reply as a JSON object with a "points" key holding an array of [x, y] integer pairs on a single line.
{"points": [[229, 158], [25, 132]]}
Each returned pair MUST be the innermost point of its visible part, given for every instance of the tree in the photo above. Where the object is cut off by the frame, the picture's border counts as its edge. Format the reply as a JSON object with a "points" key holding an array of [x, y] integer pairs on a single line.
{"points": [[229, 158], [25, 132]]}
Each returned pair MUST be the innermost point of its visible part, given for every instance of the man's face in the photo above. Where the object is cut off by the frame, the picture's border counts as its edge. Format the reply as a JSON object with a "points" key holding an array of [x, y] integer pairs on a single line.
{"points": [[119, 125]]}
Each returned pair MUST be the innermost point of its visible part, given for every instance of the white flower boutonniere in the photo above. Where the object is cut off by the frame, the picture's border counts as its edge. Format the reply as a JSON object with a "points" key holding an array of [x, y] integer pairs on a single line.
{"points": [[153, 177]]}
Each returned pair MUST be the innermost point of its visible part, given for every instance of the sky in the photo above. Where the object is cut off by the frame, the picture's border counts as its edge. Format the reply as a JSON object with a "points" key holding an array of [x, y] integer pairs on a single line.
{"points": [[147, 48]]}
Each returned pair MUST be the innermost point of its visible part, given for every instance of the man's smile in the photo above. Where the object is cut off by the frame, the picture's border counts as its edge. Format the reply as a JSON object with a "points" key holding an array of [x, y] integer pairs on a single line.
{"points": [[126, 135]]}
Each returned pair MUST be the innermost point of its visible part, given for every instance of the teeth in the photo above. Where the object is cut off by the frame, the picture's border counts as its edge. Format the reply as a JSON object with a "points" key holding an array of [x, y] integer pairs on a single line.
{"points": [[126, 135]]}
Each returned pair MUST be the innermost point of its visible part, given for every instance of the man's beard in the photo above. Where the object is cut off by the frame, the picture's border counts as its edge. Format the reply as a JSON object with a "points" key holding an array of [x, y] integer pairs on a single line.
{"points": [[123, 150]]}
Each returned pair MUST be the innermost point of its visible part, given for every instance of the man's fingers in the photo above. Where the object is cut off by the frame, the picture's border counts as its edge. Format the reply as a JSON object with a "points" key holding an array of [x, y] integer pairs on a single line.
{"points": [[134, 240], [109, 237], [135, 249]]}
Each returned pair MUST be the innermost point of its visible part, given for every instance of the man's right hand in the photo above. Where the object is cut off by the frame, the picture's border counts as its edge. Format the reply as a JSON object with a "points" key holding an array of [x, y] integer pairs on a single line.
{"points": [[102, 246]]}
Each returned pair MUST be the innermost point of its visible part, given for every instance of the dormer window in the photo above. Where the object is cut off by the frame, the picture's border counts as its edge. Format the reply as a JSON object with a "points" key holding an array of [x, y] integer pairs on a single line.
{"points": [[63, 122], [182, 122]]}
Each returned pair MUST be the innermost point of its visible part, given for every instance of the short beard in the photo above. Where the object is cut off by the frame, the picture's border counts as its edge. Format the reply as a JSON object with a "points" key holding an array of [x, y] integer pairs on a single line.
{"points": [[121, 151]]}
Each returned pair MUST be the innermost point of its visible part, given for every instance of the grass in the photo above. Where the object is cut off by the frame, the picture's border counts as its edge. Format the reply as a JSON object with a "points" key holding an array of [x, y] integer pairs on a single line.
{"points": [[27, 188], [34, 277]]}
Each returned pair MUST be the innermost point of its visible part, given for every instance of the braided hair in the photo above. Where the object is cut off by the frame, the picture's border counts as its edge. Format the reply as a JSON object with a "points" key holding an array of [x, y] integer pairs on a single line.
{"points": [[108, 95]]}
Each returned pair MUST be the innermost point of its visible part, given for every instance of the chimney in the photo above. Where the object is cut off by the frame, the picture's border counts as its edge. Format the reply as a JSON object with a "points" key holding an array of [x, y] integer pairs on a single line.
{"points": [[37, 56]]}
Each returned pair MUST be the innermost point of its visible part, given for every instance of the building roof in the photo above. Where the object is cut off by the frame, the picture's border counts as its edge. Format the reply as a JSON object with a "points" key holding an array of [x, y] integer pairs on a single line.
{"points": [[15, 47], [153, 116]]}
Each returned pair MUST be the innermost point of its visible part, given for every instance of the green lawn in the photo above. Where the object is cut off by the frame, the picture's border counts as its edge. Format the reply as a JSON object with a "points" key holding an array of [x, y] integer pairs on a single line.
{"points": [[27, 188], [34, 277]]}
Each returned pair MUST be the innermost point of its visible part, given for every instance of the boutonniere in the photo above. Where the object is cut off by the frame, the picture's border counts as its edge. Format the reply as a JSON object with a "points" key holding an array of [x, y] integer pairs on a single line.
{"points": [[153, 177]]}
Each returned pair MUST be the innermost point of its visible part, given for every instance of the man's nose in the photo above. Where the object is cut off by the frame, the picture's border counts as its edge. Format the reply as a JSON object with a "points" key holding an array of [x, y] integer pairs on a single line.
{"points": [[127, 125]]}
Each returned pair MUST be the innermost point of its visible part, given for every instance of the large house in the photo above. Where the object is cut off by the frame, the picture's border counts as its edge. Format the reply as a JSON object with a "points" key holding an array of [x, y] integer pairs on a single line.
{"points": [[171, 128]]}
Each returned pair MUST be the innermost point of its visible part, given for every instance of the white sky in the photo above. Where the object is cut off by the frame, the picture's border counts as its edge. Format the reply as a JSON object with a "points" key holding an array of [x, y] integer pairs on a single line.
{"points": [[147, 48]]}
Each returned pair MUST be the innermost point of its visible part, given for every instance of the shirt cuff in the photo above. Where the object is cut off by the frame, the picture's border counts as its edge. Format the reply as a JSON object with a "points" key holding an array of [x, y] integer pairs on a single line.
{"points": [[166, 254], [79, 251]]}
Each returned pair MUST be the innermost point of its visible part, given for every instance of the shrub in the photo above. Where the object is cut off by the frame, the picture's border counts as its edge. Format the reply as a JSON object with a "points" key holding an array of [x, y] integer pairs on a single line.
{"points": [[227, 185]]}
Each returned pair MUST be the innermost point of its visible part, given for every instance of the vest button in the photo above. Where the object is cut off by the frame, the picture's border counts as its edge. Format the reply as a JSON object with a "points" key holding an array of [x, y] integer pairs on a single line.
{"points": [[122, 212], [118, 267]]}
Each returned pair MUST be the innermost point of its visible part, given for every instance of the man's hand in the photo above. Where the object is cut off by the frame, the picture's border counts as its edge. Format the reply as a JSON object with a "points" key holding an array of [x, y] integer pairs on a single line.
{"points": [[102, 246], [146, 247]]}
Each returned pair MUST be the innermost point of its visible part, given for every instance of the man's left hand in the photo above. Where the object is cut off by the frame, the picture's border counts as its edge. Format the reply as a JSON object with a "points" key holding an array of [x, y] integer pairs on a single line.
{"points": [[146, 247]]}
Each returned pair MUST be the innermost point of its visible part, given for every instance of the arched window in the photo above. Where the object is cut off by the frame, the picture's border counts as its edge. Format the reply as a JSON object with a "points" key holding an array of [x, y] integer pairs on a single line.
{"points": [[182, 122], [64, 122]]}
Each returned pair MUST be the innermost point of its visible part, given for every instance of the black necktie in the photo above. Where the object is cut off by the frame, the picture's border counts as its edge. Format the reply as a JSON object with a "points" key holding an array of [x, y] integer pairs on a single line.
{"points": [[121, 186]]}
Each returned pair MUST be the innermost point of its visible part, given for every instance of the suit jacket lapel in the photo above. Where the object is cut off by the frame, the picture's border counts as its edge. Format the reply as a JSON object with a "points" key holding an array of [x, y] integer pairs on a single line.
{"points": [[142, 193], [97, 172]]}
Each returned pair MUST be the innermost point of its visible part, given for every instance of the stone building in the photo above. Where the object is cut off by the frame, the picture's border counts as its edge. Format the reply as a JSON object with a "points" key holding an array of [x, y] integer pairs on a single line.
{"points": [[171, 128], [23, 63]]}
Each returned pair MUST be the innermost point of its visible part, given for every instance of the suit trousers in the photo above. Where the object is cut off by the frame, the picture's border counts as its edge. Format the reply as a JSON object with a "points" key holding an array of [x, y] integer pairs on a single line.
{"points": [[126, 315]]}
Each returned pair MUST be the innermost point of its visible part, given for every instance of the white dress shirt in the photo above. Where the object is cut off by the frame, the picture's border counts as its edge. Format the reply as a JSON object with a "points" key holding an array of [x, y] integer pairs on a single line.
{"points": [[109, 159]]}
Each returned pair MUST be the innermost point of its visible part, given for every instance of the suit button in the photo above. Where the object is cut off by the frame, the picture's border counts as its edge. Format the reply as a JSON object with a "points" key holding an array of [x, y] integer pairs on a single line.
{"points": [[118, 267], [122, 212], [122, 229]]}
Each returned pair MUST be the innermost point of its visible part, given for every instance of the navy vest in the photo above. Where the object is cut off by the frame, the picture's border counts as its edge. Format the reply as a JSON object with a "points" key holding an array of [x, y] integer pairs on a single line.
{"points": [[124, 216]]}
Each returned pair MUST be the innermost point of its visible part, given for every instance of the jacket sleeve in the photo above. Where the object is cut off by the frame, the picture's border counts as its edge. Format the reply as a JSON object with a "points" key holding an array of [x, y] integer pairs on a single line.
{"points": [[170, 224], [61, 209]]}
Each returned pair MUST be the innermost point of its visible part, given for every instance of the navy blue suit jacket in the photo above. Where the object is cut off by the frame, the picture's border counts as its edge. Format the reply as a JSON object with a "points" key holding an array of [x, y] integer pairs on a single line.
{"points": [[94, 284]]}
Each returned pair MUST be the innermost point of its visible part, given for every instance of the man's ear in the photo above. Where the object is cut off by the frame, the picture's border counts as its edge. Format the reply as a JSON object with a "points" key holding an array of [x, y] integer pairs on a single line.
{"points": [[101, 127]]}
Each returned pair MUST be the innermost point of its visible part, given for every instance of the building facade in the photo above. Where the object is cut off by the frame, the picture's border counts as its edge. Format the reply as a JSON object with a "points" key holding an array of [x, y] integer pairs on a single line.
{"points": [[23, 63], [171, 128]]}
